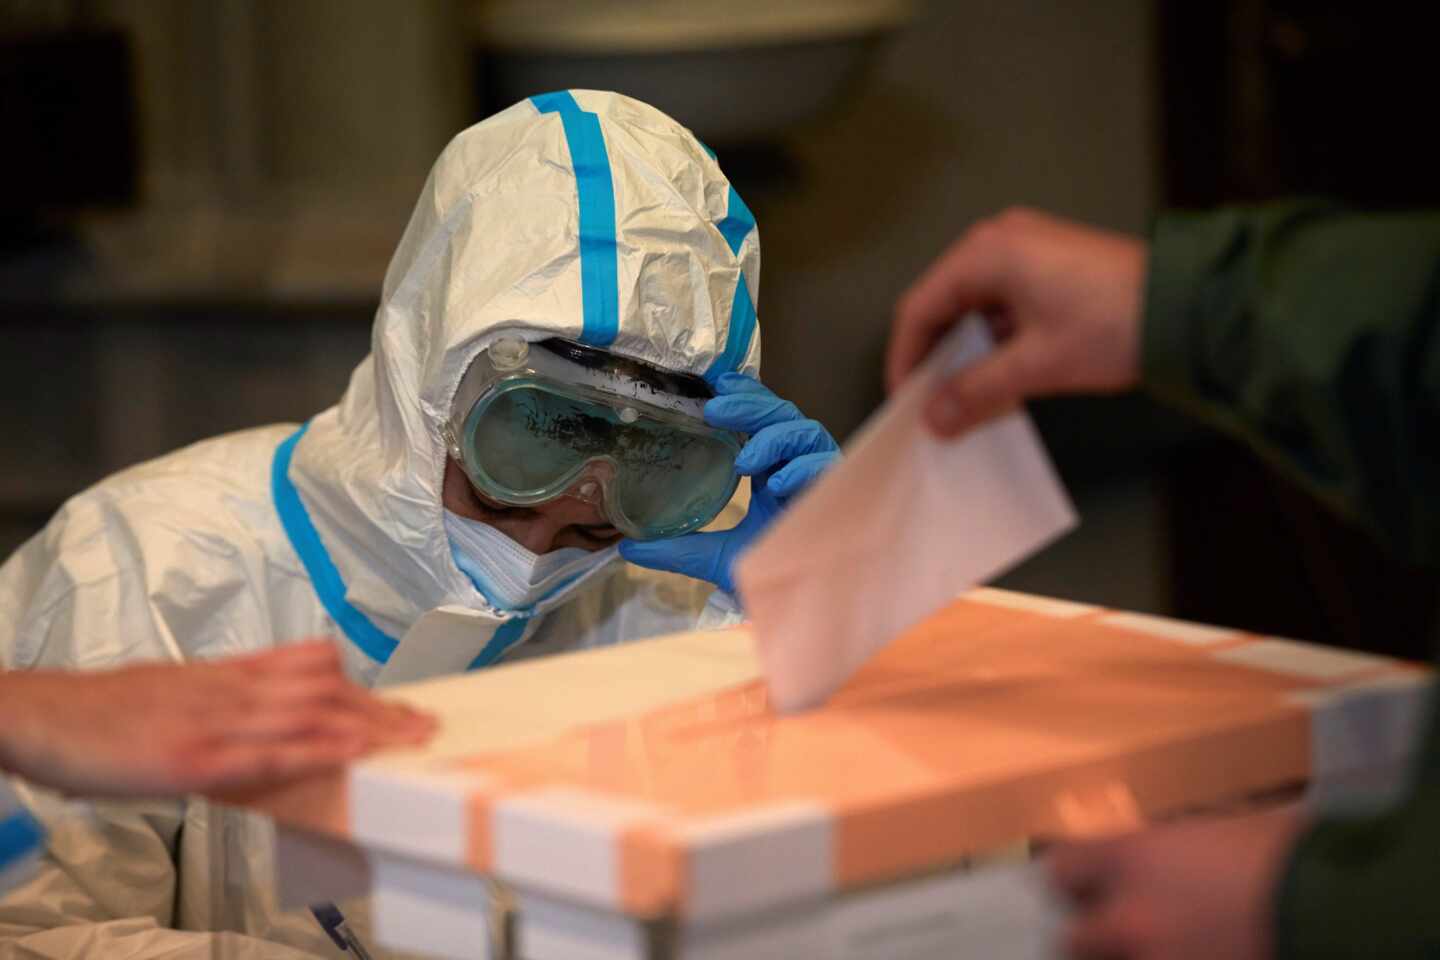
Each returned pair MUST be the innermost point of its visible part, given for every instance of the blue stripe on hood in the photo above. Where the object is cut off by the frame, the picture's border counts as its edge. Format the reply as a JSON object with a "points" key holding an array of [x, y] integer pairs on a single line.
{"points": [[599, 283]]}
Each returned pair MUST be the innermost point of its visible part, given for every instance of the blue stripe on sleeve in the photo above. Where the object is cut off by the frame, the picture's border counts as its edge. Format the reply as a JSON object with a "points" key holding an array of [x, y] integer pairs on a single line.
{"points": [[324, 577], [506, 636], [20, 836]]}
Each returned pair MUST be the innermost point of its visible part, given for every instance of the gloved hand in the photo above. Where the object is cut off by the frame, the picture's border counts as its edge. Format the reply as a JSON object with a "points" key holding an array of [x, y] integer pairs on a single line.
{"points": [[784, 453]]}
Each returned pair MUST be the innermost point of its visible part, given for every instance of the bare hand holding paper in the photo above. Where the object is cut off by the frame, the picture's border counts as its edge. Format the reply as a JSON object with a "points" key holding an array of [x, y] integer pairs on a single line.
{"points": [[904, 524]]}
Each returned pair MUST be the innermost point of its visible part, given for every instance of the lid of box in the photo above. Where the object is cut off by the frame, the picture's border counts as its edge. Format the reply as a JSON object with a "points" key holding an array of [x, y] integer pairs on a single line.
{"points": [[1003, 717]]}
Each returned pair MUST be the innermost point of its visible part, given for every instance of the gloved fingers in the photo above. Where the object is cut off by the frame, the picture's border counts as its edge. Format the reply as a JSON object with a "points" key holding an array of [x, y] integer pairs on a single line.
{"points": [[749, 412], [730, 384], [695, 554], [781, 442], [799, 473]]}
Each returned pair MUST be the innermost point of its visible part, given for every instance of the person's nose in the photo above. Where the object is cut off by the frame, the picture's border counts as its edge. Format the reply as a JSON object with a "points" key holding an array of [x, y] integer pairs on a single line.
{"points": [[539, 534]]}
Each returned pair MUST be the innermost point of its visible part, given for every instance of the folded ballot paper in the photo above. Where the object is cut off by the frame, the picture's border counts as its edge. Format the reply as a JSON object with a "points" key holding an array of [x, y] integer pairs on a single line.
{"points": [[894, 532]]}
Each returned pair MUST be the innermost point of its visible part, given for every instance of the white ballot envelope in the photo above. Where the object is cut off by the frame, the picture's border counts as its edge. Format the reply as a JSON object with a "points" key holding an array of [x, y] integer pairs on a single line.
{"points": [[896, 530], [442, 642]]}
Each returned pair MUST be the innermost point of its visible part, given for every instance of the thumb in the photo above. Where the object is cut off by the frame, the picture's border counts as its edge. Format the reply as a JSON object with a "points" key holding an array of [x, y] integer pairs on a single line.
{"points": [[694, 555], [970, 275], [986, 389]]}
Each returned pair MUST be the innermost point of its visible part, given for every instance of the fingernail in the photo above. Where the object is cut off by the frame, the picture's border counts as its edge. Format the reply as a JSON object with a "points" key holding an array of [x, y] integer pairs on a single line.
{"points": [[946, 413]]}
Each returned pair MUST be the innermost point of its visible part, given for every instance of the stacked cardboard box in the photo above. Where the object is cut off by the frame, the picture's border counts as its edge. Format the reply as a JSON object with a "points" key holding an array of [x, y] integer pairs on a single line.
{"points": [[644, 801]]}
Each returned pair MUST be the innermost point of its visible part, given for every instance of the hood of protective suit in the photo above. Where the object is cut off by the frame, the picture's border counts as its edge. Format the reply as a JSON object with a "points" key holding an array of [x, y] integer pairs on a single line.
{"points": [[579, 214]]}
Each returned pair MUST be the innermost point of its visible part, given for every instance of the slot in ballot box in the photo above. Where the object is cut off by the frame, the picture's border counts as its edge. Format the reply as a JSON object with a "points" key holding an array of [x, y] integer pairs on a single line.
{"points": [[644, 801]]}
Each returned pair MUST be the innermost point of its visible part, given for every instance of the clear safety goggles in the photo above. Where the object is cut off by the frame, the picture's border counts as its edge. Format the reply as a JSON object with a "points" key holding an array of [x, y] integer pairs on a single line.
{"points": [[533, 422]]}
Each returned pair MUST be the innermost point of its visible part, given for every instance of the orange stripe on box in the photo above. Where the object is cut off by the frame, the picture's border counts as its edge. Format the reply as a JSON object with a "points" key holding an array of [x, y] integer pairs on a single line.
{"points": [[981, 727], [480, 814], [896, 836], [651, 866], [480, 842]]}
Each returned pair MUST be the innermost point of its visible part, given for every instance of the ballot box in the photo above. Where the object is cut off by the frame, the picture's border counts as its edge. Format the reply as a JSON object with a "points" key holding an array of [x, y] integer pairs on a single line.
{"points": [[644, 801]]}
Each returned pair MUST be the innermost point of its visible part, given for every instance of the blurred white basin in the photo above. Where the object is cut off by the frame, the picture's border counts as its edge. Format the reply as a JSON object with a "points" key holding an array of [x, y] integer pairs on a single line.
{"points": [[742, 71]]}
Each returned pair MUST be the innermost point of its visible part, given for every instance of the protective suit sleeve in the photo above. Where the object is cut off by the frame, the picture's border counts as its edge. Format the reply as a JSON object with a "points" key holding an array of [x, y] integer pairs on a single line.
{"points": [[107, 885], [21, 839], [785, 453], [721, 610], [1310, 333]]}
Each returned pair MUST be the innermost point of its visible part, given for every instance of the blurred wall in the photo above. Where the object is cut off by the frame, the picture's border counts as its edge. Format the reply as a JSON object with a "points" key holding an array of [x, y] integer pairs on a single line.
{"points": [[282, 145], [238, 97], [285, 140], [979, 105]]}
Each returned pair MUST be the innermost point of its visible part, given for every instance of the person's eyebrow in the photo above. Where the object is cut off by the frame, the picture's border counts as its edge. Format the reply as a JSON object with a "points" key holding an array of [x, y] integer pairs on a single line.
{"points": [[487, 504]]}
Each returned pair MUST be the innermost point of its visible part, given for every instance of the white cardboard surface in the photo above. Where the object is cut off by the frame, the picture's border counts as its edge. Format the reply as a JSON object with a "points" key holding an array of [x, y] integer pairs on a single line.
{"points": [[1364, 737], [899, 528], [436, 911], [999, 913], [773, 935], [431, 804], [549, 929], [749, 862], [1307, 660], [1166, 628], [564, 842], [512, 705], [1031, 603], [442, 642]]}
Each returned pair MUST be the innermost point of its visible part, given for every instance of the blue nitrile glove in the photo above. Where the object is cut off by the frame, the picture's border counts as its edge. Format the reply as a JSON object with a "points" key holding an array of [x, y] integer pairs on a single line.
{"points": [[784, 453]]}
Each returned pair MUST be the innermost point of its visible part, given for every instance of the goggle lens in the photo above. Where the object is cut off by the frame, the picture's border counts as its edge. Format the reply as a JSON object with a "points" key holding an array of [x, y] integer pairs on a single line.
{"points": [[527, 443]]}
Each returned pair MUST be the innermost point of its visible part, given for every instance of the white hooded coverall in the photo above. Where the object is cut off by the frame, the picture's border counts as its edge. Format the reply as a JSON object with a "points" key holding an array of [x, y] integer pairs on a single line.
{"points": [[21, 839], [580, 214]]}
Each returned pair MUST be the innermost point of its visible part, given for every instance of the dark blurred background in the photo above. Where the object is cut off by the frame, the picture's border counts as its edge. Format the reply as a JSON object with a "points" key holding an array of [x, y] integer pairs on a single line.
{"points": [[198, 201]]}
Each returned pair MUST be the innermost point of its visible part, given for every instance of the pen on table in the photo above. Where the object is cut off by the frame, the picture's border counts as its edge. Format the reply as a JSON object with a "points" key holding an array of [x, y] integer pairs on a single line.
{"points": [[333, 922]]}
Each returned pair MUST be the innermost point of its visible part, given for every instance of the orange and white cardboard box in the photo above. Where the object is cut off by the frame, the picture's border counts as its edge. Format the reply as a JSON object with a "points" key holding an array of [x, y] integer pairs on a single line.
{"points": [[653, 782]]}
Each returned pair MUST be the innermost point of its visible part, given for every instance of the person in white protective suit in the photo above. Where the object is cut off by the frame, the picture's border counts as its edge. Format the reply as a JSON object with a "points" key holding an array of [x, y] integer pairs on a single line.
{"points": [[21, 840], [561, 381]]}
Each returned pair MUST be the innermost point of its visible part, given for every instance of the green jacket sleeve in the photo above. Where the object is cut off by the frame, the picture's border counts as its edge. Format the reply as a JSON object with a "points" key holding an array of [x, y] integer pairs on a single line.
{"points": [[1311, 334], [1314, 335], [1367, 888]]}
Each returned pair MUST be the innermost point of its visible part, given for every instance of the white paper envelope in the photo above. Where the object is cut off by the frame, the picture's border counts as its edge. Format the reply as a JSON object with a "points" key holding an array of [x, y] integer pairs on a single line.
{"points": [[898, 529], [443, 641]]}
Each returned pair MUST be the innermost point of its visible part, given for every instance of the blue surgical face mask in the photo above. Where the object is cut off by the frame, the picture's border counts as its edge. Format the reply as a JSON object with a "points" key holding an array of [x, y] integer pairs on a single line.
{"points": [[512, 578]]}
